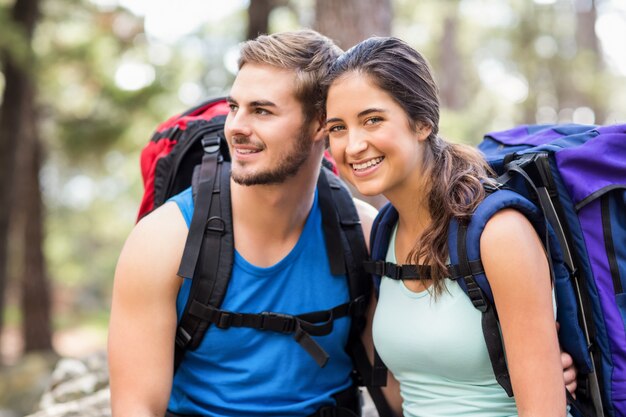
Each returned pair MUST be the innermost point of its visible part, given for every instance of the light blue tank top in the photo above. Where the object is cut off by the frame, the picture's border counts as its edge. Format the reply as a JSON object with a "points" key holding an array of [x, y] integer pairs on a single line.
{"points": [[248, 372], [436, 350]]}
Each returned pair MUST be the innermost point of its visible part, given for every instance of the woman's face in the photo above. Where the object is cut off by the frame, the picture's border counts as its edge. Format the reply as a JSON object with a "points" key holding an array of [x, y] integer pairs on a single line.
{"points": [[370, 137]]}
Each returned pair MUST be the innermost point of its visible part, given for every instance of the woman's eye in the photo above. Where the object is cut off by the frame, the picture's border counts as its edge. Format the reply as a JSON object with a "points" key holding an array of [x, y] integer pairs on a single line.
{"points": [[335, 129], [373, 120]]}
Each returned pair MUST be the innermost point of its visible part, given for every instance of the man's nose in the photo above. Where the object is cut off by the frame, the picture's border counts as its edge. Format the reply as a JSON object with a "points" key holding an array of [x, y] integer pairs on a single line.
{"points": [[237, 124]]}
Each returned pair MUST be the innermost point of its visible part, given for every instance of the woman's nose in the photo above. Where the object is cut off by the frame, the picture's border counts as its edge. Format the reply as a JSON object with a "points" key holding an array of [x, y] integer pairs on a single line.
{"points": [[357, 143]]}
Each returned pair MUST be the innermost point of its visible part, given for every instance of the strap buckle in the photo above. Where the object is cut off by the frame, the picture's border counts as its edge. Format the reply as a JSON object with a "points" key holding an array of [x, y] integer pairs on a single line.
{"points": [[381, 268], [282, 323], [492, 187], [358, 306], [392, 270], [182, 337], [211, 144]]}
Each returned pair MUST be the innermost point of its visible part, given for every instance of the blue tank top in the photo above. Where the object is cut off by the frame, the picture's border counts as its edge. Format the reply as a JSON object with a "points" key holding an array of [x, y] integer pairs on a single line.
{"points": [[248, 372]]}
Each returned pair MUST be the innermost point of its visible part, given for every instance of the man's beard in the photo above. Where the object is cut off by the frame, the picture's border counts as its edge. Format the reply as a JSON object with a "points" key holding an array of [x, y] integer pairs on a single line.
{"points": [[286, 168]]}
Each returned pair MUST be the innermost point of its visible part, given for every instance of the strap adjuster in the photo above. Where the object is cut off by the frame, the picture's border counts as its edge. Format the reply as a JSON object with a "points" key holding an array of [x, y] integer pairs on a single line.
{"points": [[492, 187], [216, 224], [358, 306], [395, 271], [225, 320], [182, 337], [388, 269], [211, 144], [282, 323], [476, 294]]}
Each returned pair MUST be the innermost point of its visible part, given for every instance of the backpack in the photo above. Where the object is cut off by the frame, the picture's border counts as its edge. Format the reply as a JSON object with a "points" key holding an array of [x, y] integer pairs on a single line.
{"points": [[191, 149], [570, 182]]}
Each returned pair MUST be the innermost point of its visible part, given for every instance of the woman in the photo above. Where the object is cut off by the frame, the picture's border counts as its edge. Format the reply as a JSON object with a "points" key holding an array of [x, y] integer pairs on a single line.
{"points": [[427, 331]]}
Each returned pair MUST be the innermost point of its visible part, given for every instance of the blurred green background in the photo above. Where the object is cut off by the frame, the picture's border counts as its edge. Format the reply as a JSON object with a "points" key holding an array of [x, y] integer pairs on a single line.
{"points": [[84, 83]]}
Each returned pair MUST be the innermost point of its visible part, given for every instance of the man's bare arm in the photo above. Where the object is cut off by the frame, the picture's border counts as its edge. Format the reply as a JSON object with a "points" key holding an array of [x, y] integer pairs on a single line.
{"points": [[143, 315]]}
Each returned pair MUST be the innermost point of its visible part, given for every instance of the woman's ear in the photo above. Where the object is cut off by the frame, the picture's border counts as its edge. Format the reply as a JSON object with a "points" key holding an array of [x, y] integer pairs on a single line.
{"points": [[423, 131]]}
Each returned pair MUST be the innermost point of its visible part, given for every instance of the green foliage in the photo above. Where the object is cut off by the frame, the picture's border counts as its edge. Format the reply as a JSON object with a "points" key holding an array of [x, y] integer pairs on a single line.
{"points": [[94, 128], [13, 40]]}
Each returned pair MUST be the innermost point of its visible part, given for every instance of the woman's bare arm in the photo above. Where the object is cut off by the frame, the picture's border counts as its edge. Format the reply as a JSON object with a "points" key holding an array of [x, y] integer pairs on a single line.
{"points": [[515, 262]]}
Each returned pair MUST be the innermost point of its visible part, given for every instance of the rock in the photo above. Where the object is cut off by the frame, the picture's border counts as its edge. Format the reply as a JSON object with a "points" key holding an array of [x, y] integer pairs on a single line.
{"points": [[97, 404], [78, 387], [22, 383]]}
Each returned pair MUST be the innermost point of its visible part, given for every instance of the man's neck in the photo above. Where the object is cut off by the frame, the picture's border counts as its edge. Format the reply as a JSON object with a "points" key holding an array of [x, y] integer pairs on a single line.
{"points": [[268, 219]]}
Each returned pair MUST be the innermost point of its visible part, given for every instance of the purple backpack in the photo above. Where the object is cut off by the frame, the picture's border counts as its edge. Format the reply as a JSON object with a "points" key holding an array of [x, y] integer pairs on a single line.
{"points": [[577, 175]]}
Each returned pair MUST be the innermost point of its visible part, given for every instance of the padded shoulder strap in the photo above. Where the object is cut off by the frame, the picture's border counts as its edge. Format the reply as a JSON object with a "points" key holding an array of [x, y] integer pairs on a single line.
{"points": [[343, 232], [464, 251], [330, 198], [469, 249], [381, 234], [210, 233]]}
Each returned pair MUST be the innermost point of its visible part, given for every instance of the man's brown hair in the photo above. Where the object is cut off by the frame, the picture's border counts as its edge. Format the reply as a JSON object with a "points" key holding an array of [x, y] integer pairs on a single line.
{"points": [[306, 52]]}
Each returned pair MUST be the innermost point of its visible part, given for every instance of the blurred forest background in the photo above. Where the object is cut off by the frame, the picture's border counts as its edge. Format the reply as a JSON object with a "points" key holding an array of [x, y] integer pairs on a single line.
{"points": [[83, 83]]}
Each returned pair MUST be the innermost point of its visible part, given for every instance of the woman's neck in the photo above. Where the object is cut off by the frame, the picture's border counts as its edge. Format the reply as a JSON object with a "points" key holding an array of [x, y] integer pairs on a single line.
{"points": [[414, 219]]}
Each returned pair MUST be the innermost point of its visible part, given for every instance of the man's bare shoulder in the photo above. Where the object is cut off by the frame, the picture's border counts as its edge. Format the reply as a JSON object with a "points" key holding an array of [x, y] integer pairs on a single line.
{"points": [[166, 220], [154, 247]]}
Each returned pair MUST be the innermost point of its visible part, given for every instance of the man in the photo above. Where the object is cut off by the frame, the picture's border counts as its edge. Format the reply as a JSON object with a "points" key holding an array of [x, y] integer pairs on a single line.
{"points": [[276, 140]]}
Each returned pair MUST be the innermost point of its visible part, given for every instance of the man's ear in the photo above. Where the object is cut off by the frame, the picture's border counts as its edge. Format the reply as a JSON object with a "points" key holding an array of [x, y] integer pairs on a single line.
{"points": [[319, 130]]}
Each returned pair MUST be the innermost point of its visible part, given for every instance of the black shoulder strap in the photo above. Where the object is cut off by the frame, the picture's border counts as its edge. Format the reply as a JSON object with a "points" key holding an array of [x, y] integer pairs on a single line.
{"points": [[347, 253], [210, 233], [343, 232], [489, 320]]}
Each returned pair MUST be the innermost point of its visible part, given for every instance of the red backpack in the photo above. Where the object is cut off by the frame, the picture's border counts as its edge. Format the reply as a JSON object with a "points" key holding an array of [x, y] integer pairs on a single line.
{"points": [[168, 160]]}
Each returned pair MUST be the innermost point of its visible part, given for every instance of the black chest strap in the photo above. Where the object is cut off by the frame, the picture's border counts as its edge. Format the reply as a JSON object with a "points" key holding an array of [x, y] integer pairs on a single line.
{"points": [[302, 326]]}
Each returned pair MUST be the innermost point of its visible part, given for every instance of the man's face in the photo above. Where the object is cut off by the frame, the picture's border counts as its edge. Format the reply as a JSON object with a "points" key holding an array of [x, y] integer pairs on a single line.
{"points": [[265, 127]]}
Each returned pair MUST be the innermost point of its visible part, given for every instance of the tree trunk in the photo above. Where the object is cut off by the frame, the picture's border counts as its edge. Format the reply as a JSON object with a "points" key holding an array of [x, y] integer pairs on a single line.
{"points": [[450, 62], [348, 22], [259, 16], [15, 103], [586, 37], [587, 41], [29, 223]]}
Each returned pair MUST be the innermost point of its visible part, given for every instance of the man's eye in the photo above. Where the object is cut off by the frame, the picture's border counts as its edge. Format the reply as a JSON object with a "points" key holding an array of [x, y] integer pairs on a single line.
{"points": [[233, 107], [262, 112]]}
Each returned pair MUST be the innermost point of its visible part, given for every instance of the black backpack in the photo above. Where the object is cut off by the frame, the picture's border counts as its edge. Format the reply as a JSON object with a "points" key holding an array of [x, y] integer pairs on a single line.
{"points": [[190, 149]]}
